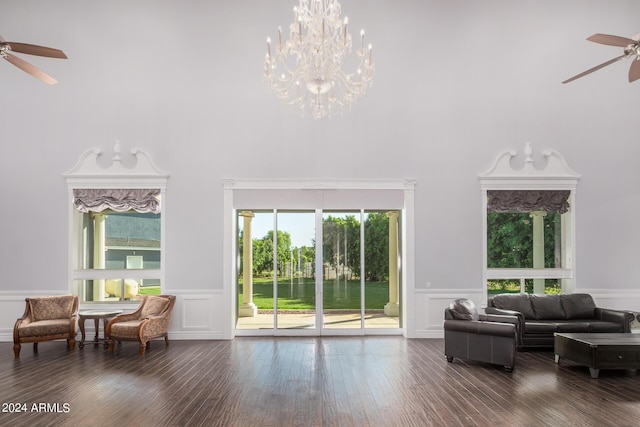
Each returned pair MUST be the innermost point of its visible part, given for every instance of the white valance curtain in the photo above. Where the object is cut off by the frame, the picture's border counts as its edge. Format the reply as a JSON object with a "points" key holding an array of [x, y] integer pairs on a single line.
{"points": [[552, 201], [120, 200]]}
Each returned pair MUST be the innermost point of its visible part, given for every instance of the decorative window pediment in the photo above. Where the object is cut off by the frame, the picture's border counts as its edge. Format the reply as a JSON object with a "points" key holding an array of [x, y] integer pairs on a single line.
{"points": [[138, 171], [550, 170]]}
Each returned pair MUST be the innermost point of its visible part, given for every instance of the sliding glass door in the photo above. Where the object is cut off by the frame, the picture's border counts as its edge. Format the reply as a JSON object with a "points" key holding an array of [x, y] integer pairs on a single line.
{"points": [[341, 284], [312, 272], [295, 276]]}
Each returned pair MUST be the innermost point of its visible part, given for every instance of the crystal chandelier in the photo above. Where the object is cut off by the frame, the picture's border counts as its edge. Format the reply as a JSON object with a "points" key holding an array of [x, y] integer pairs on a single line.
{"points": [[306, 71]]}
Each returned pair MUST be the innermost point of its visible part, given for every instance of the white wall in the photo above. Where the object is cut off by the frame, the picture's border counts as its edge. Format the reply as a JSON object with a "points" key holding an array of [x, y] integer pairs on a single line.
{"points": [[457, 82]]}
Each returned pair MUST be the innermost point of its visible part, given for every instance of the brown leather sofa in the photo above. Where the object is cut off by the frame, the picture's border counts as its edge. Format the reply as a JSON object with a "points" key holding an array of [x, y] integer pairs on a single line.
{"points": [[538, 317], [478, 337]]}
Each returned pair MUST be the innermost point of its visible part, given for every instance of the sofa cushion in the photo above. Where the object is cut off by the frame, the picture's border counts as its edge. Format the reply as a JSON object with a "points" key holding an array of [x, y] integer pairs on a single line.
{"points": [[540, 327], [547, 307], [575, 326], [127, 329], [463, 309], [603, 326], [578, 306], [551, 326], [47, 308], [516, 302], [45, 327], [153, 306]]}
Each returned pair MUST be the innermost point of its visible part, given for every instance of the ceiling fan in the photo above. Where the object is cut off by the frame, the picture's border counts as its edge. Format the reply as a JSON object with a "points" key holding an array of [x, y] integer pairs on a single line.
{"points": [[7, 47], [631, 49]]}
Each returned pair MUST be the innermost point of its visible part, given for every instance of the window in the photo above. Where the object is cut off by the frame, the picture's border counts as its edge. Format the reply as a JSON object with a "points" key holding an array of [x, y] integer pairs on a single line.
{"points": [[116, 230], [524, 232], [528, 223], [115, 237]]}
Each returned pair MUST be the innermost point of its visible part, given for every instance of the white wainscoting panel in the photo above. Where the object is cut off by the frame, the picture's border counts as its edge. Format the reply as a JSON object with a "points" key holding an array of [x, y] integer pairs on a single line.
{"points": [[205, 315], [197, 315], [200, 316], [430, 305]]}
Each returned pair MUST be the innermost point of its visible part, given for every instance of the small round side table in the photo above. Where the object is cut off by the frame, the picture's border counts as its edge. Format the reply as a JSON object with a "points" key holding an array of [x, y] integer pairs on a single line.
{"points": [[96, 315]]}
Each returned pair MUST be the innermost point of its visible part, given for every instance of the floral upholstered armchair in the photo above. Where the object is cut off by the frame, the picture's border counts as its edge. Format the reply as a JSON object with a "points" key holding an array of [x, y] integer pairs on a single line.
{"points": [[149, 321], [47, 319]]}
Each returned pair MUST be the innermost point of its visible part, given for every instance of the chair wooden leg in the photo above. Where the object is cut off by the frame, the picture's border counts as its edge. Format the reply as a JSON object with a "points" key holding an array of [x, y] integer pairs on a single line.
{"points": [[143, 347], [166, 340], [71, 343], [111, 345], [16, 350], [35, 347]]}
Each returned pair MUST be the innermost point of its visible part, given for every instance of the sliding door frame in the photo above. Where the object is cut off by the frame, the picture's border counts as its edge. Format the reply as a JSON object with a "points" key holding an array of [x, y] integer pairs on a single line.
{"points": [[402, 192]]}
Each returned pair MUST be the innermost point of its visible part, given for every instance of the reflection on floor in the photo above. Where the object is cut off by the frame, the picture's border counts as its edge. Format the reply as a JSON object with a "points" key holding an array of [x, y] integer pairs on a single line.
{"points": [[306, 320]]}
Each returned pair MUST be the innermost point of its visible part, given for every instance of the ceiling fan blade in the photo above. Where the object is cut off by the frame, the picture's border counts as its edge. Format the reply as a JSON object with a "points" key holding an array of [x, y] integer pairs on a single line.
{"points": [[32, 49], [634, 70], [611, 40], [596, 68], [34, 71]]}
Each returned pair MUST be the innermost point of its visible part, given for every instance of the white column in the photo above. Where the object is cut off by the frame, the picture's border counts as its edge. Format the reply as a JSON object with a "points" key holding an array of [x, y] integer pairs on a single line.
{"points": [[538, 248], [392, 307], [99, 250], [567, 248], [247, 308]]}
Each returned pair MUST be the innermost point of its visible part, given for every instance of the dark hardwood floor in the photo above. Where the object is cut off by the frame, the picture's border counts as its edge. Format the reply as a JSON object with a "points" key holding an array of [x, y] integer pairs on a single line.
{"points": [[328, 381]]}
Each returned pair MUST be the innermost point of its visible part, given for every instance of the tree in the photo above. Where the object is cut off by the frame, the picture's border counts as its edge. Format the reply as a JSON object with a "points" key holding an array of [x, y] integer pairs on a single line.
{"points": [[341, 242], [376, 247], [284, 249], [352, 244], [510, 240], [262, 252], [262, 256], [307, 257], [341, 247]]}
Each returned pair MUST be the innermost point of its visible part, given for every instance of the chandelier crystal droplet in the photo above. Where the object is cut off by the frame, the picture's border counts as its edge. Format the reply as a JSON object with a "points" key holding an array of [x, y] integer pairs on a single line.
{"points": [[306, 70]]}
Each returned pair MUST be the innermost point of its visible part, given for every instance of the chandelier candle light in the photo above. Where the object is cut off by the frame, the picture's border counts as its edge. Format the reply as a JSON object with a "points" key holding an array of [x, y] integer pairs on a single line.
{"points": [[306, 71]]}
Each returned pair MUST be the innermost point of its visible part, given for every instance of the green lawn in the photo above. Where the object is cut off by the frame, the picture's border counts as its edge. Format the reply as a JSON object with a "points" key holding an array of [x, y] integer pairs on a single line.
{"points": [[149, 290], [552, 286], [300, 294]]}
